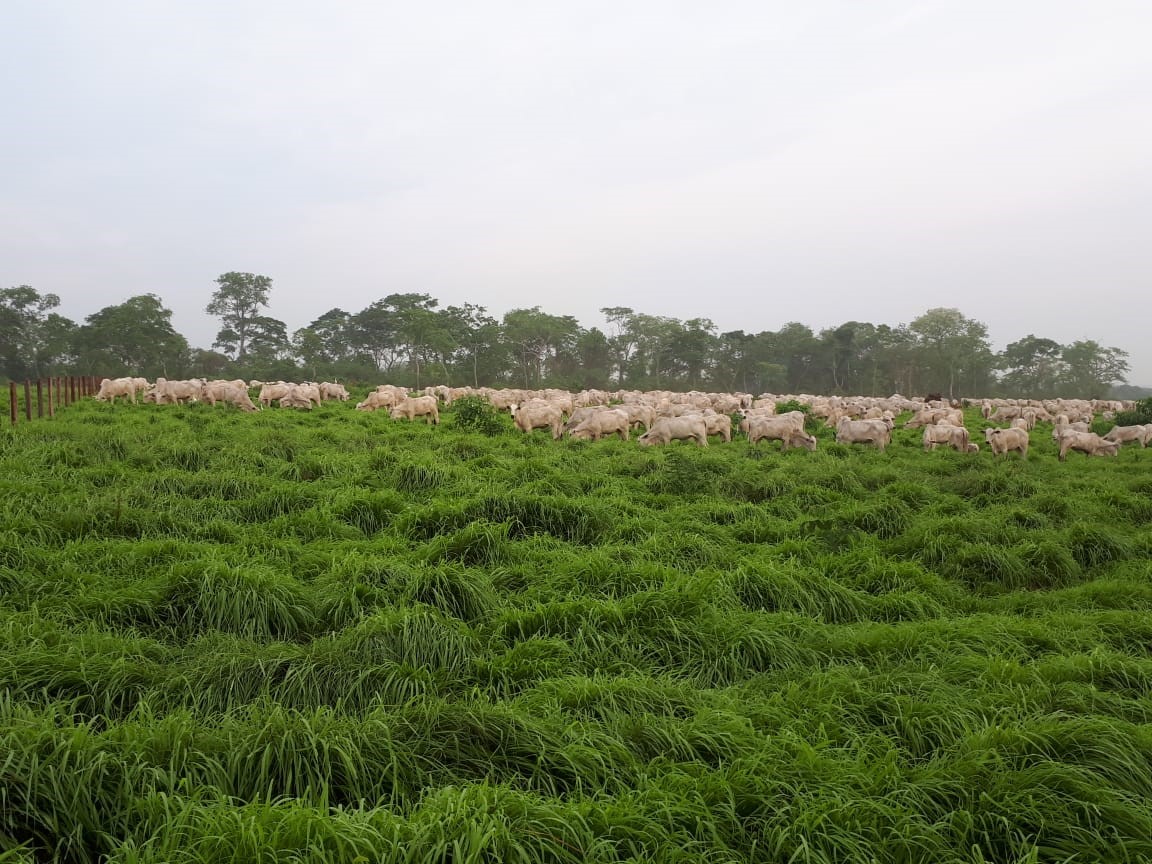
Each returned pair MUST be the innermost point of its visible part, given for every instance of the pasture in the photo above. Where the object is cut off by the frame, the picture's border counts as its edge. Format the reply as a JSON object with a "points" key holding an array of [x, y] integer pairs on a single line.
{"points": [[329, 636]]}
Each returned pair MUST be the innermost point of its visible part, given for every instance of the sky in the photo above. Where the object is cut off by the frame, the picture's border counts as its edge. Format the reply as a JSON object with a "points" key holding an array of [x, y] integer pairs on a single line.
{"points": [[753, 163]]}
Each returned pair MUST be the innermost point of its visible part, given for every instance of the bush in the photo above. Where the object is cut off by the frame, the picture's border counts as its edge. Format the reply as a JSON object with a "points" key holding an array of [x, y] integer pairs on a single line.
{"points": [[1140, 415], [475, 414]]}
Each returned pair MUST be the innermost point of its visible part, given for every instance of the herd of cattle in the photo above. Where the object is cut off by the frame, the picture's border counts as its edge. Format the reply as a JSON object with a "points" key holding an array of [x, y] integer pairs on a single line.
{"points": [[665, 416]]}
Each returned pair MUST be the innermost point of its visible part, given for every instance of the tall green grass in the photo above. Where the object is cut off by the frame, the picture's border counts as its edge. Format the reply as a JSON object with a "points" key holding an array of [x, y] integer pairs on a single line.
{"points": [[332, 637]]}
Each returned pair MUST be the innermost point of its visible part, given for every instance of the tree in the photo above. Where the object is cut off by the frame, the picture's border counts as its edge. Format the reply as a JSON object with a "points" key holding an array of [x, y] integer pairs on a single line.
{"points": [[374, 337], [35, 339], [416, 325], [135, 337], [237, 301], [735, 366], [1032, 367], [692, 350], [536, 338], [794, 348], [622, 338], [268, 340], [326, 341], [594, 359], [1090, 369], [954, 349], [476, 335]]}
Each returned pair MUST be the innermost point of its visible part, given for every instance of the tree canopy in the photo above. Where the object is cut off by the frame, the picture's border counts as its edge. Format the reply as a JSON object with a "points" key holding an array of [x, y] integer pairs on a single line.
{"points": [[409, 338]]}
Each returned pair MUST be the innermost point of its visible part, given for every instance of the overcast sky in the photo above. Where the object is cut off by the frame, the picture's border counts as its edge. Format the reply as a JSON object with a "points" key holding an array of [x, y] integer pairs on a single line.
{"points": [[751, 162]]}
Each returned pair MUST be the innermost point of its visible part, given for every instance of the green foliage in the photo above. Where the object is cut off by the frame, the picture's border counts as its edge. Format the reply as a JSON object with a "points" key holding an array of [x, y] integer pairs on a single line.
{"points": [[295, 637], [476, 414], [1138, 416]]}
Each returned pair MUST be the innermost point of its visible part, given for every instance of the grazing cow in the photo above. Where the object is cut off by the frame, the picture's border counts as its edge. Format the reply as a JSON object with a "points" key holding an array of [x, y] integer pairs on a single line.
{"points": [[298, 396], [607, 421], [378, 399], [228, 392], [955, 437], [718, 424], [1124, 434], [1088, 443], [110, 388], [666, 429], [417, 406], [781, 429], [878, 433], [1003, 441], [1060, 428], [639, 414], [165, 392], [529, 416], [329, 390], [269, 392]]}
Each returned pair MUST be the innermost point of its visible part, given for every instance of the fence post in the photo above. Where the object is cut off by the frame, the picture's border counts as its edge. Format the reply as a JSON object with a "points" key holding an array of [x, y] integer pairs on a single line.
{"points": [[51, 405], [27, 399], [12, 400], [39, 398]]}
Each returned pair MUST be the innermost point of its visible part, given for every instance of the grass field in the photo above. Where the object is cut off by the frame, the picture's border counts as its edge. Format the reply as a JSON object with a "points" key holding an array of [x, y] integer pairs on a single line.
{"points": [[334, 637]]}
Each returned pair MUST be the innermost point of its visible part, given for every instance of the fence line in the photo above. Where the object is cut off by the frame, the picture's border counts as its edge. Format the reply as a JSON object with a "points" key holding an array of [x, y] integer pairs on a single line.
{"points": [[58, 392]]}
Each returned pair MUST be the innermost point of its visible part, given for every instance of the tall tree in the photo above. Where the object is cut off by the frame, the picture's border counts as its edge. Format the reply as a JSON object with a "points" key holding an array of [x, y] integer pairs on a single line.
{"points": [[1032, 367], [374, 337], [135, 337], [416, 326], [476, 335], [326, 341], [692, 350], [237, 301], [537, 338], [955, 350], [622, 338], [1090, 369], [35, 339]]}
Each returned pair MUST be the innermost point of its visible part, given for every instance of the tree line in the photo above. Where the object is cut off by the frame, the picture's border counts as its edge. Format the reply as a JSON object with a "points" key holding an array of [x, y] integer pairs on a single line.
{"points": [[409, 338]]}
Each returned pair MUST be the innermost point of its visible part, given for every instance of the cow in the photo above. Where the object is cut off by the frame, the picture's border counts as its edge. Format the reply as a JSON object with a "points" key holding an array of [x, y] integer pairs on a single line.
{"points": [[607, 421], [1088, 443], [782, 429], [269, 392], [110, 388], [1124, 434], [878, 433], [667, 429], [718, 424], [529, 416], [166, 392], [228, 392], [955, 437], [417, 406], [329, 390], [298, 396], [378, 399], [1002, 441]]}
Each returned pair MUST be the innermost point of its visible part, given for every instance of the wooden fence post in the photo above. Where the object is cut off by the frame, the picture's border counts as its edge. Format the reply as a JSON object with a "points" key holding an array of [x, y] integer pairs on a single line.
{"points": [[12, 400], [51, 406], [39, 398], [27, 399]]}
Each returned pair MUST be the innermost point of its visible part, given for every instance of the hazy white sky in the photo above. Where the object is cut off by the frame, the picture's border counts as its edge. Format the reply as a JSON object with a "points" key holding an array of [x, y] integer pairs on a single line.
{"points": [[751, 162]]}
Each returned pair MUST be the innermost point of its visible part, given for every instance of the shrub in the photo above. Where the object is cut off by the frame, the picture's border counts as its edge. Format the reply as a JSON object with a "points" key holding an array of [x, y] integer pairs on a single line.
{"points": [[476, 414], [1139, 415]]}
